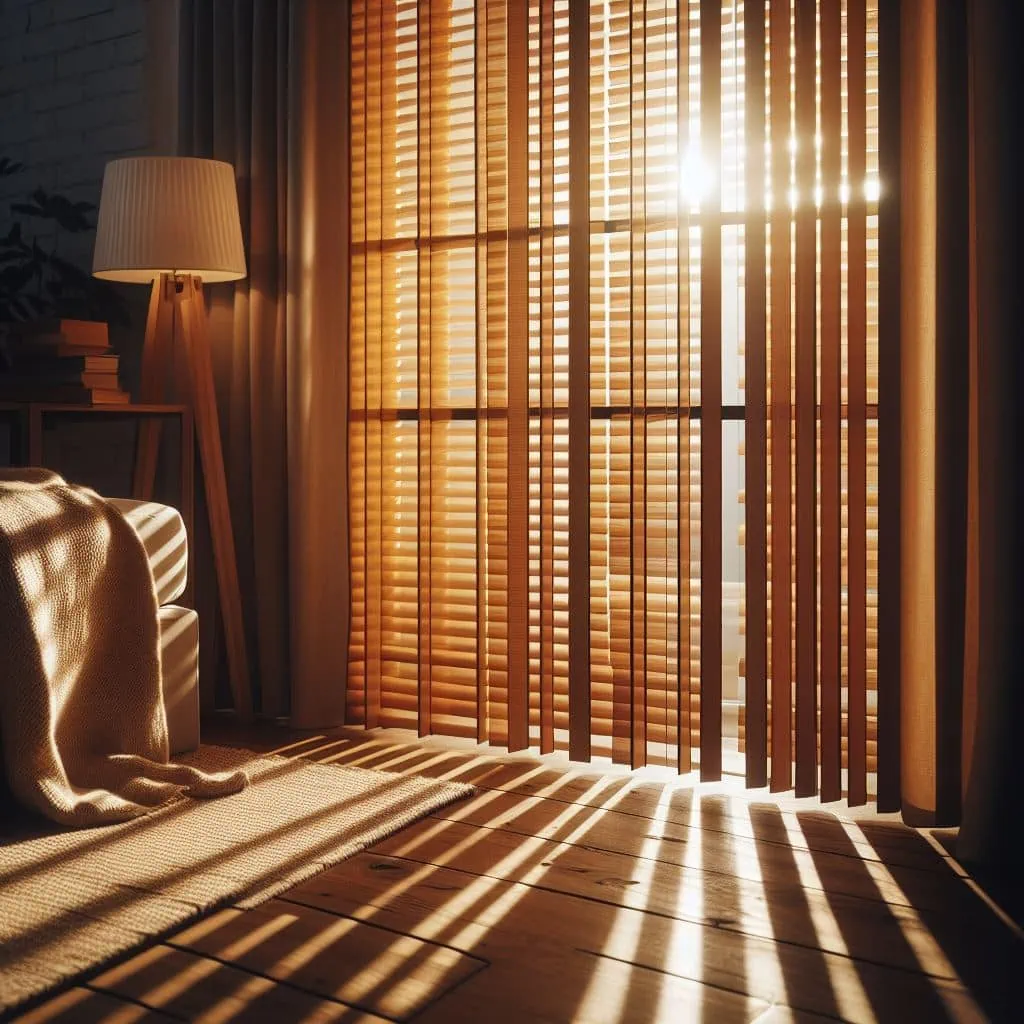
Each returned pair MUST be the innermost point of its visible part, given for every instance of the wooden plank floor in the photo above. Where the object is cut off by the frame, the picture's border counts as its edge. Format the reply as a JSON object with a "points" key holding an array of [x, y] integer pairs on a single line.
{"points": [[556, 895]]}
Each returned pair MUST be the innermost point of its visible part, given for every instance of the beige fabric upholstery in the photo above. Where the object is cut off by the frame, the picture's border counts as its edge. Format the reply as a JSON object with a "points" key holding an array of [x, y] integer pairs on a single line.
{"points": [[162, 532], [179, 664], [81, 709]]}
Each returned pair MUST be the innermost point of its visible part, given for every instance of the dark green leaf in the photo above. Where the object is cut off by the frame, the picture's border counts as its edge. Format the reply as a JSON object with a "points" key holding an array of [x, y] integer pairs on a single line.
{"points": [[29, 209], [14, 278]]}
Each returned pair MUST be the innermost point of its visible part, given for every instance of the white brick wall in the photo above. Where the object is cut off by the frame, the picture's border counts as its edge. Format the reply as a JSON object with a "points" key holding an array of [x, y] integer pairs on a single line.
{"points": [[73, 94], [83, 82]]}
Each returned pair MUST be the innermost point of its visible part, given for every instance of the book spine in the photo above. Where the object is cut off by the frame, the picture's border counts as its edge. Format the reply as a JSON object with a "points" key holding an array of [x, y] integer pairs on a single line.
{"points": [[63, 393], [23, 378]]}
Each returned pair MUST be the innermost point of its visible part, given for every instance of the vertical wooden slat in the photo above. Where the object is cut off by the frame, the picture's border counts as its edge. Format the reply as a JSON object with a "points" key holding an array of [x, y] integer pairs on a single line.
{"points": [[856, 248], [831, 369], [755, 396], [493, 18], [547, 374], [518, 377], [806, 409], [372, 377], [711, 400], [638, 373], [425, 287], [620, 436], [579, 382], [356, 675], [684, 753], [782, 578], [482, 111], [889, 456]]}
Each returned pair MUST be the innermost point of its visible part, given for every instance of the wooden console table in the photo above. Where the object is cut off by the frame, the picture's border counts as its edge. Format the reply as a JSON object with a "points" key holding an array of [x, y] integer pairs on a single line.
{"points": [[28, 420]]}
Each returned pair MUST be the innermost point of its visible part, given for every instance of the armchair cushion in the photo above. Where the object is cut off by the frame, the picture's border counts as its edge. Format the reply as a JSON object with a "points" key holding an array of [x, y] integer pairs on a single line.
{"points": [[162, 531], [179, 668]]}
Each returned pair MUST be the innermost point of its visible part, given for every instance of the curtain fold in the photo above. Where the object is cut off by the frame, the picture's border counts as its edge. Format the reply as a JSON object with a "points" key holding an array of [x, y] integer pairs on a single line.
{"points": [[992, 833], [263, 85], [934, 383], [961, 570]]}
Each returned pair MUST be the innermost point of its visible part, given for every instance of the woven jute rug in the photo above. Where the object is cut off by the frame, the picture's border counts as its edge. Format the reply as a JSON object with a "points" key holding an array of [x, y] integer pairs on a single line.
{"points": [[72, 901]]}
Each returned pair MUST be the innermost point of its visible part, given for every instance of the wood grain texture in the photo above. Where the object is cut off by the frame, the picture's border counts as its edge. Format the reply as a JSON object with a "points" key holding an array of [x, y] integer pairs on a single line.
{"points": [[830, 318], [518, 380], [579, 387], [889, 794], [857, 430], [356, 963], [427, 300], [780, 416], [191, 313], [711, 405], [395, 893], [547, 377], [177, 984], [756, 418], [157, 364], [81, 1005], [636, 707], [684, 753], [806, 416], [555, 895]]}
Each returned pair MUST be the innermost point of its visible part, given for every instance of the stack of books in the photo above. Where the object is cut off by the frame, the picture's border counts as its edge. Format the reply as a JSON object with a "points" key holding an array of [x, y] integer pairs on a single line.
{"points": [[62, 361]]}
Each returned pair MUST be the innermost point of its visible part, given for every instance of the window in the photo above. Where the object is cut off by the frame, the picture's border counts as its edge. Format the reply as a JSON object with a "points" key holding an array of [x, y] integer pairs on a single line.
{"points": [[613, 448]]}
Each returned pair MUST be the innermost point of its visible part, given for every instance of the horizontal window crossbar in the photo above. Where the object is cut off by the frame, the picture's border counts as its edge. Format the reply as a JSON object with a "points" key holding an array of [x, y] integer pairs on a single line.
{"points": [[597, 412], [650, 226]]}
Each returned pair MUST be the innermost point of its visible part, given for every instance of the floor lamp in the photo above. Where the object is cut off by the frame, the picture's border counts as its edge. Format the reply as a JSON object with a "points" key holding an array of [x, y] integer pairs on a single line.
{"points": [[172, 222]]}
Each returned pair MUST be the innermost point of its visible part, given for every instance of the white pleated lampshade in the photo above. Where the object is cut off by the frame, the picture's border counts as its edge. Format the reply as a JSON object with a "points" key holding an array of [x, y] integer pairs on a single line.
{"points": [[168, 214]]}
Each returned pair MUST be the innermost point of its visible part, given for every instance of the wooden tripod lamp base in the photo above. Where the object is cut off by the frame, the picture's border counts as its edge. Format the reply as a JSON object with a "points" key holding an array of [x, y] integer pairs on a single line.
{"points": [[175, 334], [160, 216]]}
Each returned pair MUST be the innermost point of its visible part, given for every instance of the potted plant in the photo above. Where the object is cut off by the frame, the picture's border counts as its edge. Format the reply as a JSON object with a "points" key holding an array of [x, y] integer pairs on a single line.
{"points": [[36, 282]]}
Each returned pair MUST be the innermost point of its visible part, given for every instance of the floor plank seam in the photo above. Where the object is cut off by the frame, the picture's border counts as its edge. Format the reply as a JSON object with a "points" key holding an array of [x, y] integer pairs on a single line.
{"points": [[282, 982], [778, 843], [519, 790], [132, 1000], [591, 848], [286, 898], [703, 923], [769, 1005], [446, 993], [855, 897]]}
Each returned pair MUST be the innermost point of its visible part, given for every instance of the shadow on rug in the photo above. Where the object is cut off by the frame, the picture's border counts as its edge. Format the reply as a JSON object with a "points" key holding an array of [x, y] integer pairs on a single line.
{"points": [[73, 901]]}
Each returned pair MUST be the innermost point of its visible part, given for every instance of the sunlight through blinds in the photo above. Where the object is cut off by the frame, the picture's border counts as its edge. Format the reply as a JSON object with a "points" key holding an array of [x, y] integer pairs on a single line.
{"points": [[613, 443]]}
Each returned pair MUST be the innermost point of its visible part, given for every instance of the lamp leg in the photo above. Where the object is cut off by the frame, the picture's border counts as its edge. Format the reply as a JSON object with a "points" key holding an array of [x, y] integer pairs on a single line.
{"points": [[156, 367], [190, 312]]}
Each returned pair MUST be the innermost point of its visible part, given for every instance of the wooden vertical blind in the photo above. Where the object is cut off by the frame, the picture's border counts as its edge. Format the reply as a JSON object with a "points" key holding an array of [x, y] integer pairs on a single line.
{"points": [[614, 441]]}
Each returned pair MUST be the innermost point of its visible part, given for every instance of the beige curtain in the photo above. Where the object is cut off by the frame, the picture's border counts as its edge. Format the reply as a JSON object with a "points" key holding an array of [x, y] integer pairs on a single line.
{"points": [[933, 399], [264, 85], [961, 579], [992, 833]]}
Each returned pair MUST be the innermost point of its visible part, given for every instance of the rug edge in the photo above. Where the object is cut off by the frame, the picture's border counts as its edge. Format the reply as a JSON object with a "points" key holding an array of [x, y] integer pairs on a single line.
{"points": [[448, 792], [461, 791]]}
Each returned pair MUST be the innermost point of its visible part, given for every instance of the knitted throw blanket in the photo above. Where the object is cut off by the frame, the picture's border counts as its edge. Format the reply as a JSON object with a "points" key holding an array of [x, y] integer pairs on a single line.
{"points": [[82, 722]]}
